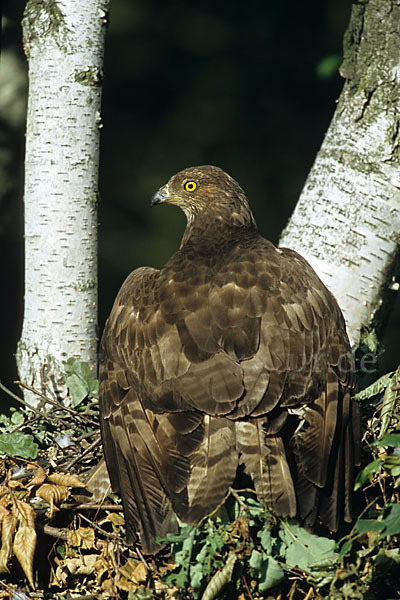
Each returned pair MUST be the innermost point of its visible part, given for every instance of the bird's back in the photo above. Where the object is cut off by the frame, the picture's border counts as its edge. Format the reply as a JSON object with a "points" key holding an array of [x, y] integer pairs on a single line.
{"points": [[233, 353]]}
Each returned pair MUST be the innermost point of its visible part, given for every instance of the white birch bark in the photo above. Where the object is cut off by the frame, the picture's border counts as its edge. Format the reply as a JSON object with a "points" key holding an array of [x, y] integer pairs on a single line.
{"points": [[347, 220], [64, 43]]}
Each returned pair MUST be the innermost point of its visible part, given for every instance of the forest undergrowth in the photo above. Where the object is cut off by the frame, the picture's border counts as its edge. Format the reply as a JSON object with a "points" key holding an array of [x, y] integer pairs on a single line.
{"points": [[58, 542]]}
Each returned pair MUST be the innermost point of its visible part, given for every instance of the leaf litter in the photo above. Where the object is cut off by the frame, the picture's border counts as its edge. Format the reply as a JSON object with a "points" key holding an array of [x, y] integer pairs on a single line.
{"points": [[58, 541]]}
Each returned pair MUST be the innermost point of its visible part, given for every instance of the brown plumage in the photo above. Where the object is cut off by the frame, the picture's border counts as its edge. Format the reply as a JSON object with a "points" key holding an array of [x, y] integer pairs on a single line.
{"points": [[234, 353]]}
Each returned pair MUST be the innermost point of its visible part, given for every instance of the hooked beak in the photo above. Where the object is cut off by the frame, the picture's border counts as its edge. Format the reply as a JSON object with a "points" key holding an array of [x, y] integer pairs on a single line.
{"points": [[161, 196]]}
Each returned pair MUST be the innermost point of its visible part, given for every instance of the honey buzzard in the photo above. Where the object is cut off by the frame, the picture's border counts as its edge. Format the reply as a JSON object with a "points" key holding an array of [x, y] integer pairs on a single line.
{"points": [[234, 353]]}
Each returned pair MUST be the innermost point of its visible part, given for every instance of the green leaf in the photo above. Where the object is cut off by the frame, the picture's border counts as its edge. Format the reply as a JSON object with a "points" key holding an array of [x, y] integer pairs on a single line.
{"points": [[214, 540], [181, 550], [79, 380], [392, 521], [365, 525], [256, 559], [390, 525], [266, 569], [77, 388], [394, 470], [201, 564], [266, 539], [255, 512], [94, 387], [141, 593], [388, 404], [391, 439], [367, 473], [17, 418], [196, 575], [175, 538], [345, 548], [392, 463], [370, 339], [19, 444], [272, 574], [375, 388], [306, 550], [176, 577], [253, 504]]}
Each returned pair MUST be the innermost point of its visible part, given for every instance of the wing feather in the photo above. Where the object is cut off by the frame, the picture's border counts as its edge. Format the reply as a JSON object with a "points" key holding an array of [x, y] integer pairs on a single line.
{"points": [[264, 459], [314, 440], [213, 469], [216, 361]]}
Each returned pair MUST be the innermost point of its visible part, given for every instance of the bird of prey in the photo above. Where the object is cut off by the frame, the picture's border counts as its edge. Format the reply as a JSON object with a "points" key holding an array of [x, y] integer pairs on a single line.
{"points": [[233, 354]]}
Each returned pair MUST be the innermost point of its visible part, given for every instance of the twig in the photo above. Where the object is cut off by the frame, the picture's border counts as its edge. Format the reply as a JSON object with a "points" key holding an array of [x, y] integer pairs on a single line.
{"points": [[242, 504], [309, 593], [142, 558], [20, 400], [353, 529], [83, 454], [56, 404], [95, 526], [86, 435], [26, 423], [52, 531], [92, 506], [132, 552], [62, 534], [247, 588]]}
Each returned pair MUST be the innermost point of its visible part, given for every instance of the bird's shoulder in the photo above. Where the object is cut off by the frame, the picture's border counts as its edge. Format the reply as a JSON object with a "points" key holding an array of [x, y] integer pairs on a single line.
{"points": [[133, 303]]}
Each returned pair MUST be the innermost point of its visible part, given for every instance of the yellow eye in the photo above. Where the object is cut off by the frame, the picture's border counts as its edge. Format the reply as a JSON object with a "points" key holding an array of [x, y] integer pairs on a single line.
{"points": [[190, 186]]}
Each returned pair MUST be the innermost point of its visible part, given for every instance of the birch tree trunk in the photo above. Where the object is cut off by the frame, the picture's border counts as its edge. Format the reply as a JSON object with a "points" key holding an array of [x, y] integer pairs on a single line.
{"points": [[347, 220], [64, 42]]}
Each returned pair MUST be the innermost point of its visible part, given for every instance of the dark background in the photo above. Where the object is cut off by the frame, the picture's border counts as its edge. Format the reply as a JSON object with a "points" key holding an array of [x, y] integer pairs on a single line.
{"points": [[248, 86]]}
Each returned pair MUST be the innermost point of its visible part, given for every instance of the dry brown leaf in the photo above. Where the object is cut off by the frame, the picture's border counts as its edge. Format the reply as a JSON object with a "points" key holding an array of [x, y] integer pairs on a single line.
{"points": [[165, 591], [53, 494], [9, 526], [14, 484], [66, 479], [101, 566], [72, 538], [131, 575], [25, 539], [4, 490], [83, 537], [4, 502], [84, 565], [24, 513], [39, 477], [140, 573], [106, 562], [88, 538], [108, 588], [32, 466], [116, 519], [59, 577], [124, 584]]}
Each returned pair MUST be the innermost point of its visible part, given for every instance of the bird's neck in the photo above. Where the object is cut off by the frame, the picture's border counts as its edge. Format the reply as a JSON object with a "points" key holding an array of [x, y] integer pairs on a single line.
{"points": [[212, 227]]}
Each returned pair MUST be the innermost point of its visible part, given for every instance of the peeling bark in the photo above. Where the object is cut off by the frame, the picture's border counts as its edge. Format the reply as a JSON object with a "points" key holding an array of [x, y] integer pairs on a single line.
{"points": [[64, 43], [347, 220]]}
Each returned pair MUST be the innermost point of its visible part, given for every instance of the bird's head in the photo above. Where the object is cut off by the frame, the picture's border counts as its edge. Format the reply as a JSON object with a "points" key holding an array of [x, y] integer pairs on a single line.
{"points": [[206, 188]]}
